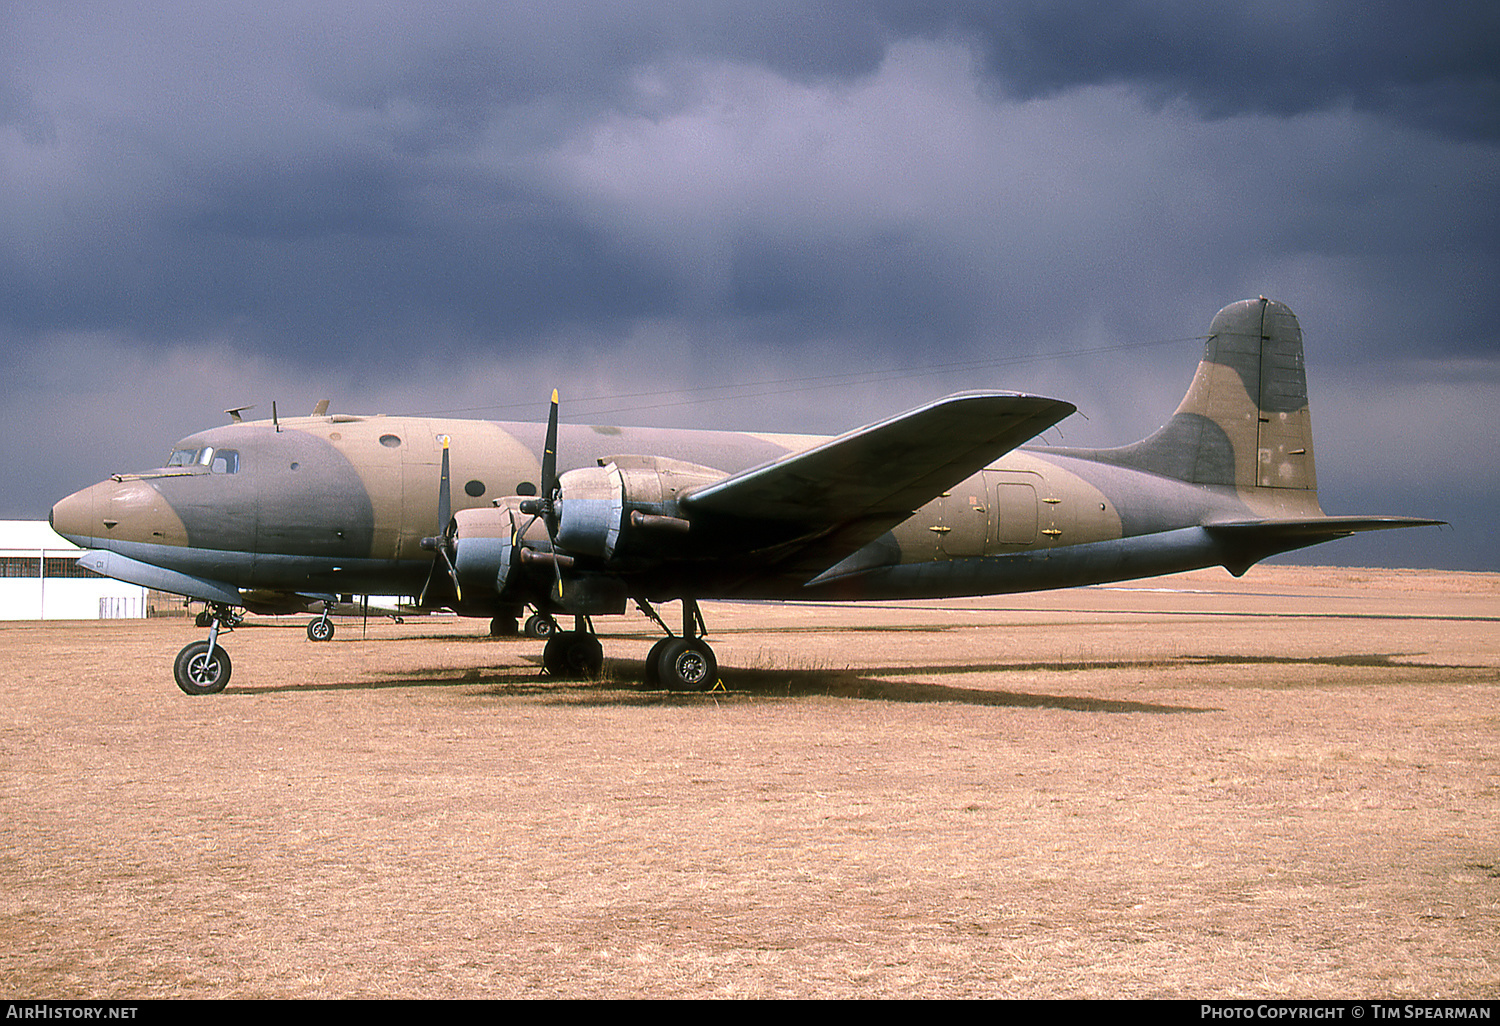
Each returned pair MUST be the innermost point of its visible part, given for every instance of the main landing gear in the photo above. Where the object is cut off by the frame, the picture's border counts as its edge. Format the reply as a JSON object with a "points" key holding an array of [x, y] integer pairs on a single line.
{"points": [[677, 662], [202, 668], [575, 653], [683, 663]]}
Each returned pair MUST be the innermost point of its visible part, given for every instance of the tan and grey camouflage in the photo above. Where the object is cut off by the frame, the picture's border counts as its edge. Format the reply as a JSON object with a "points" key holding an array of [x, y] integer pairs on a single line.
{"points": [[939, 501]]}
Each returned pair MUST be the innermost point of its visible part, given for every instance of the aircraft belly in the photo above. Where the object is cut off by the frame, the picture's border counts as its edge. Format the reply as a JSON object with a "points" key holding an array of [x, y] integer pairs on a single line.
{"points": [[214, 564], [1036, 570]]}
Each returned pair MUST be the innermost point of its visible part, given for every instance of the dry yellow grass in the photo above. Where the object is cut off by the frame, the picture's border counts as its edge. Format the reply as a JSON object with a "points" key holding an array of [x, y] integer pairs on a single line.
{"points": [[1284, 786]]}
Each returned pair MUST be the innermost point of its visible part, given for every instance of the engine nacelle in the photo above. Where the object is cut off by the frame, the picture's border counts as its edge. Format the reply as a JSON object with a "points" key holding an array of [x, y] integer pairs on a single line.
{"points": [[487, 550], [627, 504], [591, 510], [481, 545], [625, 507]]}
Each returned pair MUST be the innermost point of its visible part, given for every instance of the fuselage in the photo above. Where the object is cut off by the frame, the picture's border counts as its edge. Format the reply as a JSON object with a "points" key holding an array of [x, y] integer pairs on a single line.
{"points": [[340, 504]]}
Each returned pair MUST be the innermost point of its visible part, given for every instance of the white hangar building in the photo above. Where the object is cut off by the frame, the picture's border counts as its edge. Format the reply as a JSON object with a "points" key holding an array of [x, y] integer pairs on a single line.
{"points": [[40, 579]]}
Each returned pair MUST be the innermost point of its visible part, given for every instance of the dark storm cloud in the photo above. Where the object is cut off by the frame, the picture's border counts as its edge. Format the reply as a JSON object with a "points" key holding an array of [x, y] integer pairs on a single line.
{"points": [[357, 172], [1434, 65], [388, 198]]}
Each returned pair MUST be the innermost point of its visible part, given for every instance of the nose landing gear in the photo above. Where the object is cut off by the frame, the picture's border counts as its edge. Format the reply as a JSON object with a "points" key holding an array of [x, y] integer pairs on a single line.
{"points": [[320, 629], [202, 668]]}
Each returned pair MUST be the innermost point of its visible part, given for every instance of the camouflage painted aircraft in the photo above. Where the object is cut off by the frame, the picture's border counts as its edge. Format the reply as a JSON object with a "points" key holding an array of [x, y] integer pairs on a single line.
{"points": [[487, 519]]}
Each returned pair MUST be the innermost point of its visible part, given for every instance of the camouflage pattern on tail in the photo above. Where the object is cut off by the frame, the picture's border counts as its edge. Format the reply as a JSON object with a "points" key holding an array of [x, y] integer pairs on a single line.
{"points": [[1244, 421]]}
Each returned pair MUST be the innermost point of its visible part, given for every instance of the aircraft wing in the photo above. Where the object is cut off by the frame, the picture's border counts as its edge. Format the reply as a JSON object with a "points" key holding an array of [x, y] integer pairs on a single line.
{"points": [[835, 497]]}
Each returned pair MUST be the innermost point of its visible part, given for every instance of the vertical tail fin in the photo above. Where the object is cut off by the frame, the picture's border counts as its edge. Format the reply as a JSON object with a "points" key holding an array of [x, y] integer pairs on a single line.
{"points": [[1244, 421]]}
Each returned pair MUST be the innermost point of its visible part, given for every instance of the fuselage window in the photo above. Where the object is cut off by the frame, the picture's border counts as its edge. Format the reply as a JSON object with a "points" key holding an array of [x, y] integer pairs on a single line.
{"points": [[390, 441]]}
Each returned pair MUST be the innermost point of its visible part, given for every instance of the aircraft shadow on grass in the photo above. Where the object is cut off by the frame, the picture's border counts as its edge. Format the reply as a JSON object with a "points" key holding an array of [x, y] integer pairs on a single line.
{"points": [[882, 684], [870, 684]]}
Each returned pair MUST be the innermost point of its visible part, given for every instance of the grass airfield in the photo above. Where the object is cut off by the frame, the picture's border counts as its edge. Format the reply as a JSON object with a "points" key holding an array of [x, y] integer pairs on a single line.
{"points": [[1282, 786]]}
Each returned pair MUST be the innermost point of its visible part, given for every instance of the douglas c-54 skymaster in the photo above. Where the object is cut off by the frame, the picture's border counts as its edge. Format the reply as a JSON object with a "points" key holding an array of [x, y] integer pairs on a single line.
{"points": [[487, 519]]}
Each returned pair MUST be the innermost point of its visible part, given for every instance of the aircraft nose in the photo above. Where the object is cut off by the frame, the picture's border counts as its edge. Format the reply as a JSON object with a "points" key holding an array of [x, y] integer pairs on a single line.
{"points": [[113, 512], [73, 517]]}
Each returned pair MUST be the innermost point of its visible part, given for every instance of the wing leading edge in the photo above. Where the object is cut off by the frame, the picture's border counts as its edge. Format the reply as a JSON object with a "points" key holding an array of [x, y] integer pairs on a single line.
{"points": [[831, 499], [893, 466]]}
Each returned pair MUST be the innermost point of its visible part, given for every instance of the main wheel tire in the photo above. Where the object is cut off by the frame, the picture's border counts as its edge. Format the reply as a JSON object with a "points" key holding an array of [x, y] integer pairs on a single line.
{"points": [[197, 673], [503, 627], [320, 630], [540, 625], [204, 619], [687, 664], [653, 662], [573, 655]]}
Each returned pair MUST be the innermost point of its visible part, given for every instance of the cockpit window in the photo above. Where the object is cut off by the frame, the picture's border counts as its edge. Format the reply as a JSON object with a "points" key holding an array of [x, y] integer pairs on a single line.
{"points": [[218, 461]]}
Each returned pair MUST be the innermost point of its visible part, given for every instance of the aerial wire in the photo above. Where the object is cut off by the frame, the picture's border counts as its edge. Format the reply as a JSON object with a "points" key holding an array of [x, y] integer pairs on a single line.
{"points": [[786, 386]]}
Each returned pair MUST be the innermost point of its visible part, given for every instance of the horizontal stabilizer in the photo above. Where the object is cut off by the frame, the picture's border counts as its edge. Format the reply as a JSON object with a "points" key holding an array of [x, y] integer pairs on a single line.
{"points": [[1247, 542], [1317, 529]]}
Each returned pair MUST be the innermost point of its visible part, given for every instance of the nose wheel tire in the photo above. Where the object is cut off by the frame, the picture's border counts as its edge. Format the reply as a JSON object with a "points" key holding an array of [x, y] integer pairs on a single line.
{"points": [[198, 673], [320, 630]]}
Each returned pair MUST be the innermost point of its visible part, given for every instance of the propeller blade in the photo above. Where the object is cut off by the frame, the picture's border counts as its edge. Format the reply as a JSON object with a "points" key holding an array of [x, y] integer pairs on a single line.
{"points": [[550, 490], [545, 504], [442, 542], [427, 586], [445, 494], [549, 454], [458, 591]]}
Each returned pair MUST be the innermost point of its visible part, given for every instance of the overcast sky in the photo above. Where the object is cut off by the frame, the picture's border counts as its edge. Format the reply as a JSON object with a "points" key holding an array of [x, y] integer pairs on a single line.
{"points": [[833, 210]]}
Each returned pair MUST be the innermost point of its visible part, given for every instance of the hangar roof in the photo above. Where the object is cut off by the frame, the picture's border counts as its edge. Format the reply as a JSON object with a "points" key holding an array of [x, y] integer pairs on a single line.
{"points": [[32, 536]]}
